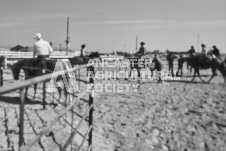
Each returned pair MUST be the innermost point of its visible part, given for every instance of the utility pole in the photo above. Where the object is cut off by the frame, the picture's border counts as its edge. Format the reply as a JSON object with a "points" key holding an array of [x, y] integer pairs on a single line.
{"points": [[136, 43], [60, 47], [67, 37], [198, 42]]}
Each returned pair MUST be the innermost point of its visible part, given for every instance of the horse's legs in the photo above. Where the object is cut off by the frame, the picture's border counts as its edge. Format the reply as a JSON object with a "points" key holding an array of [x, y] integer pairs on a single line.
{"points": [[172, 72], [195, 70], [182, 71], [191, 70], [159, 78], [214, 74], [178, 70], [200, 76], [35, 90], [138, 75]]}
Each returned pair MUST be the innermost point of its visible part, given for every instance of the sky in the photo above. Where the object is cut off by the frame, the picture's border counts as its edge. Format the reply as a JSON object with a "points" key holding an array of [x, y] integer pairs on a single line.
{"points": [[112, 25]]}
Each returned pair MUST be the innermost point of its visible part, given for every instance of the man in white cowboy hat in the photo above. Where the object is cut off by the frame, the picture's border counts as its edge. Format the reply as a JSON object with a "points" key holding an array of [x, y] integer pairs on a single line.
{"points": [[142, 50], [42, 48]]}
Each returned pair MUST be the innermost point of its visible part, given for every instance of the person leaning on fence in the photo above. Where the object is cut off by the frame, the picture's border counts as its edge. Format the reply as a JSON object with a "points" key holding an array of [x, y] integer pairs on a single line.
{"points": [[42, 49], [141, 51]]}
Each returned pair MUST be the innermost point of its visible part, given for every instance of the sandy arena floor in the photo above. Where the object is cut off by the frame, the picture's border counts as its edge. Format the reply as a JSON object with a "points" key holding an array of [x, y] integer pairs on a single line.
{"points": [[174, 115]]}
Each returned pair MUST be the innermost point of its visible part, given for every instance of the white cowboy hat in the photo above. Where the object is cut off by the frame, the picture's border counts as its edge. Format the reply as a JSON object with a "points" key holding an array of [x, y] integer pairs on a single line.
{"points": [[37, 36]]}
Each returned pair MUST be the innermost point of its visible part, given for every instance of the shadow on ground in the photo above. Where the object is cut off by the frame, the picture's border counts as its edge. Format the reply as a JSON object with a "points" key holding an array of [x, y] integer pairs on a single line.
{"points": [[16, 100]]}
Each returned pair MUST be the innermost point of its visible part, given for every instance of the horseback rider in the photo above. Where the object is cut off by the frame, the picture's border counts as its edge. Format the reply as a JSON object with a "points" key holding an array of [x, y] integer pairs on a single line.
{"points": [[191, 51], [141, 51], [42, 49], [203, 51], [216, 52], [203, 57]]}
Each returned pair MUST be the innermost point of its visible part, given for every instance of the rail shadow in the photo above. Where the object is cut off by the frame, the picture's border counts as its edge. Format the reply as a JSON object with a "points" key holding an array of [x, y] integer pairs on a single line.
{"points": [[186, 81], [16, 100]]}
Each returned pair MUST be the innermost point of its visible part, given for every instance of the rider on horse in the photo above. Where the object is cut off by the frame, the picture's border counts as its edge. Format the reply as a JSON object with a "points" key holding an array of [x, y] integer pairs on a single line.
{"points": [[203, 49], [216, 52], [191, 51], [42, 49], [141, 51], [203, 57]]}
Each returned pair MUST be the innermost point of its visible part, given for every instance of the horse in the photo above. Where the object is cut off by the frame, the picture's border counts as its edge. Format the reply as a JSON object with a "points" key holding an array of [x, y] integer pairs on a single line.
{"points": [[196, 63], [78, 60], [157, 65], [142, 62], [31, 71], [135, 63]]}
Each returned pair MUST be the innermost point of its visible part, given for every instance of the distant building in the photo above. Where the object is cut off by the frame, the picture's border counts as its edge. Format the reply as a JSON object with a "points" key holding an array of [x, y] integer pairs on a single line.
{"points": [[21, 48]]}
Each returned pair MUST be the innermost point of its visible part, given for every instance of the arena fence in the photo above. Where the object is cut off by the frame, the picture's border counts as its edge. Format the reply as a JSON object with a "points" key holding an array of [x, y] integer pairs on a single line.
{"points": [[13, 60], [19, 54], [88, 116]]}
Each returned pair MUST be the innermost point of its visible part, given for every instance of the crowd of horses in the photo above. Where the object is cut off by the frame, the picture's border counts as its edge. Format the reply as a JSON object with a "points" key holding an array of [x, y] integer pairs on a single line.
{"points": [[195, 62], [33, 69]]}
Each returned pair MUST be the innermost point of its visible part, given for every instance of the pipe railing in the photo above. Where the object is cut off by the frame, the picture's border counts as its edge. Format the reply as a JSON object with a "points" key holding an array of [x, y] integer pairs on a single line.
{"points": [[21, 85]]}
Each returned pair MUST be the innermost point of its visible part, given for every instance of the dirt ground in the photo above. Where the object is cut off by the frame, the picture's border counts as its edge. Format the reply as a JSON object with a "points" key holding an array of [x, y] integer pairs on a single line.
{"points": [[174, 115]]}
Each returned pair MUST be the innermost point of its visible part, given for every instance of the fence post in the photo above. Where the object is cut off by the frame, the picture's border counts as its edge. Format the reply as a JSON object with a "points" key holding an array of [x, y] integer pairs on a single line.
{"points": [[6, 62], [91, 81], [72, 120], [1, 76], [21, 131], [77, 74], [44, 93]]}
